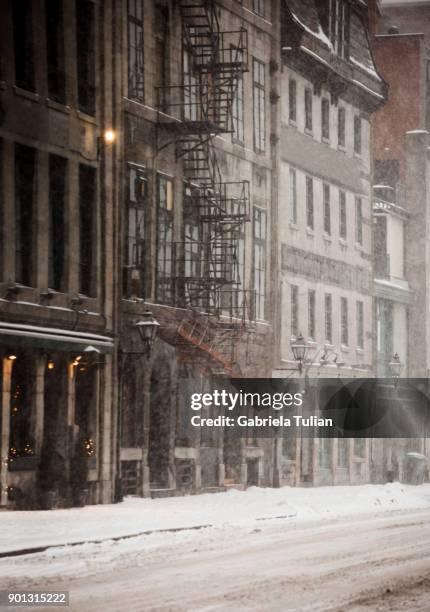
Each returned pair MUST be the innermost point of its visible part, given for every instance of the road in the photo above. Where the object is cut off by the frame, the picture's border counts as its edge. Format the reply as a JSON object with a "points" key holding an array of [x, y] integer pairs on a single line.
{"points": [[369, 562]]}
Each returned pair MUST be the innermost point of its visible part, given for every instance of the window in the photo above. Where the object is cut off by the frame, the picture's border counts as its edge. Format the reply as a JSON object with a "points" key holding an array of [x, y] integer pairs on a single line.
{"points": [[259, 105], [339, 27], [135, 227], [22, 16], [341, 115], [238, 105], [258, 7], [328, 314], [161, 55], [308, 109], [344, 321], [87, 202], [85, 39], [55, 50], [325, 449], [193, 239], [310, 202], [25, 172], [327, 211], [360, 447], [325, 118], [22, 417], [360, 325], [239, 273], [164, 261], [294, 310], [259, 262], [359, 220], [311, 314], [292, 100], [293, 196], [357, 135], [342, 452], [135, 58], [57, 221], [342, 215]]}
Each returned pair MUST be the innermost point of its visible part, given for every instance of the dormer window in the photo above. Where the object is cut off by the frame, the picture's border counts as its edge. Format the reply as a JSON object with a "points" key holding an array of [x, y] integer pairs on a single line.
{"points": [[339, 27]]}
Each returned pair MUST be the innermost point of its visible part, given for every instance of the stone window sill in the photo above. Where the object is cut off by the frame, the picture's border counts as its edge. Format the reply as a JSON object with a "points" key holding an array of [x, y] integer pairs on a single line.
{"points": [[24, 93]]}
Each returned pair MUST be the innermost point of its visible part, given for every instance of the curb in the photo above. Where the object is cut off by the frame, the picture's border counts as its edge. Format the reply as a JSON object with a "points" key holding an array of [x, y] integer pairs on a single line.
{"points": [[38, 549]]}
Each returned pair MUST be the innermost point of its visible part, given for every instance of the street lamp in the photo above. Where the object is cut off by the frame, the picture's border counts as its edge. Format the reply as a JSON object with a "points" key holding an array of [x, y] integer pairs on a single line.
{"points": [[300, 350], [396, 367], [148, 329]]}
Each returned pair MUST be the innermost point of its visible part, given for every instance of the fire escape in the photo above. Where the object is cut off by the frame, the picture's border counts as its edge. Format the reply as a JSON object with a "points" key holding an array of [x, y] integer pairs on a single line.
{"points": [[206, 266]]}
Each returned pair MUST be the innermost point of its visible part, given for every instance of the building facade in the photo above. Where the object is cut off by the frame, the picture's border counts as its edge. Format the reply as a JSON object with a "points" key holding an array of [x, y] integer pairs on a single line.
{"points": [[57, 306], [209, 162], [199, 199], [329, 87]]}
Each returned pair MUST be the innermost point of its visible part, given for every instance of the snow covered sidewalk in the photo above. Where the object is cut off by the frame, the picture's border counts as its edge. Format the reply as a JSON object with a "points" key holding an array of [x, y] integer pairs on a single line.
{"points": [[25, 530]]}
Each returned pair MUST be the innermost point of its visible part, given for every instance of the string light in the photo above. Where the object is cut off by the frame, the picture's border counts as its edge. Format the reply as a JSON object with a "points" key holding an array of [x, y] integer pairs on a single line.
{"points": [[50, 365], [89, 447], [12, 357]]}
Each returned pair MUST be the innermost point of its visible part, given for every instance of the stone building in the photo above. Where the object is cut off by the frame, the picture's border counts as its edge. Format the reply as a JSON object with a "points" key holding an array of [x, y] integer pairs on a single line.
{"points": [[57, 251], [208, 162], [196, 120], [329, 89]]}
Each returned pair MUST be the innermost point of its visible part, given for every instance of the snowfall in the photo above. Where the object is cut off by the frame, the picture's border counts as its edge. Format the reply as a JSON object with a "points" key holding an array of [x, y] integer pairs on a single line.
{"points": [[328, 548]]}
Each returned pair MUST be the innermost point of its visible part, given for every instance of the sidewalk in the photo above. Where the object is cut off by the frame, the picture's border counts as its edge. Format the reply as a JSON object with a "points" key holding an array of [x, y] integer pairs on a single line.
{"points": [[40, 529]]}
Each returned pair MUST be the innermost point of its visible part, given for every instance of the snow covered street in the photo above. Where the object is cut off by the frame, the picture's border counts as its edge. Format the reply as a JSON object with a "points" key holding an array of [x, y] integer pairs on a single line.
{"points": [[340, 548]]}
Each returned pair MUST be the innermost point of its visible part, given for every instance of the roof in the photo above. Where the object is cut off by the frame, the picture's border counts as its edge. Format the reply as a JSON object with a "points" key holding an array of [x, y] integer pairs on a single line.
{"points": [[306, 24]]}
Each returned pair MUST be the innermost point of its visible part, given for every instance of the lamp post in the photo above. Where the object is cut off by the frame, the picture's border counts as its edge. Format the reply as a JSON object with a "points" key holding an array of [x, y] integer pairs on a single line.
{"points": [[396, 367], [300, 349], [148, 329]]}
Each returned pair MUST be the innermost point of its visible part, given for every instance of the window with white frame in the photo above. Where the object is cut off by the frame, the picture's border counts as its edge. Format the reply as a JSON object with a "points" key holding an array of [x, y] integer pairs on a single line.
{"points": [[357, 134], [164, 263], [136, 79], [294, 306], [260, 262], [328, 315], [325, 118], [326, 207], [293, 196], [311, 314], [258, 7], [259, 102], [344, 338], [341, 117], [135, 227], [238, 104], [310, 202], [360, 324], [308, 109], [339, 27], [359, 220], [342, 215], [292, 100]]}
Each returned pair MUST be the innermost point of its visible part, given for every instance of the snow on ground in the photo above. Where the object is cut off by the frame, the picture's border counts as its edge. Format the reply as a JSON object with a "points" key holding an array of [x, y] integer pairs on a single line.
{"points": [[22, 530]]}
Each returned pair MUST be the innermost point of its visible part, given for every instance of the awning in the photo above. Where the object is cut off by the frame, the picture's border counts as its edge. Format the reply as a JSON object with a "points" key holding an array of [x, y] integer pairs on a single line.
{"points": [[52, 338]]}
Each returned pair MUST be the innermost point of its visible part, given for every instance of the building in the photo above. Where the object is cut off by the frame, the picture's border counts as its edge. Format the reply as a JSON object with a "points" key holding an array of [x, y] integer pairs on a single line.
{"points": [[401, 142], [199, 192], [330, 87], [57, 264], [202, 165]]}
